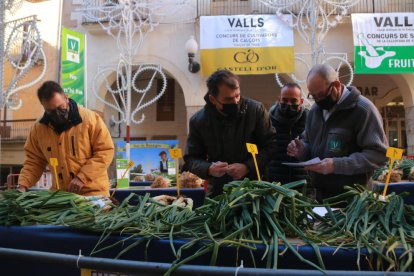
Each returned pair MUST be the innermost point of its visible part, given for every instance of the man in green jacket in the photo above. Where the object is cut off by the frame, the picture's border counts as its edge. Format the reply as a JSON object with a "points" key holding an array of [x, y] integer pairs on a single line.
{"points": [[344, 129]]}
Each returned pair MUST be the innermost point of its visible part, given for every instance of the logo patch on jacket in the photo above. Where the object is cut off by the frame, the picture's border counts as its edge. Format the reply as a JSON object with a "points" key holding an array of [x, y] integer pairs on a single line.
{"points": [[335, 145]]}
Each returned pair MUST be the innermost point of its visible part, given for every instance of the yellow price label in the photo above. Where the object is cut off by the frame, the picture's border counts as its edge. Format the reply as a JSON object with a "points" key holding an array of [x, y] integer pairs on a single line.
{"points": [[252, 148], [394, 153], [130, 164], [53, 162], [175, 153]]}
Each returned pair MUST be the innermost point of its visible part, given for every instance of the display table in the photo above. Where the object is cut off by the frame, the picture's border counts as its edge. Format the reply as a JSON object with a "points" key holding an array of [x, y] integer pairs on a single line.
{"points": [[196, 194], [140, 183], [61, 239], [398, 188]]}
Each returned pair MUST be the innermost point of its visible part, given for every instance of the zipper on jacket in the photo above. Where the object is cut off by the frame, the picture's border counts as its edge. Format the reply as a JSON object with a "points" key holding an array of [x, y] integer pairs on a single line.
{"points": [[73, 145]]}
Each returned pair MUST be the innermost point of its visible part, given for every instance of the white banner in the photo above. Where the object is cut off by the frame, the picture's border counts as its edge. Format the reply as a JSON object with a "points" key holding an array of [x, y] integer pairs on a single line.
{"points": [[247, 44], [241, 31]]}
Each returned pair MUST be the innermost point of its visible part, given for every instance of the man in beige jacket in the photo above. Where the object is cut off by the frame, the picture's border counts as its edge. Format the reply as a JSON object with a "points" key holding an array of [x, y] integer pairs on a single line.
{"points": [[77, 137]]}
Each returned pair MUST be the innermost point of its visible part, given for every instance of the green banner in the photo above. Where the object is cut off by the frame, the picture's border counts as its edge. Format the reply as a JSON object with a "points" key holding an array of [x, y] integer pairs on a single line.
{"points": [[383, 43], [73, 65], [391, 60], [121, 176]]}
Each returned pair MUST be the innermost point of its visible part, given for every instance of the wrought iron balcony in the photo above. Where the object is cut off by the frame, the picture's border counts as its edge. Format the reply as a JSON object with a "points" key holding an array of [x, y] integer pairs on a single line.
{"points": [[234, 7], [15, 130]]}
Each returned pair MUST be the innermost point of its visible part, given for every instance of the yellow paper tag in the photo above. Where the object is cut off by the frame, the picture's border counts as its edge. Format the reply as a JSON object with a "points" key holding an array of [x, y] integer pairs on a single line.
{"points": [[53, 162], [130, 164], [252, 148], [176, 153], [394, 153]]}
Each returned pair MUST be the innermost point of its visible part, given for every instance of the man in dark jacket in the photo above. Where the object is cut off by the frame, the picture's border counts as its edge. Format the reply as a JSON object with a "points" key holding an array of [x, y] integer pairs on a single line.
{"points": [[216, 144], [344, 129], [288, 116]]}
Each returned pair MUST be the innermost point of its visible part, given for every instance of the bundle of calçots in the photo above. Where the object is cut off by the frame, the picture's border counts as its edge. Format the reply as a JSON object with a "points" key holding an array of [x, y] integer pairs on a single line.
{"points": [[49, 207], [248, 213], [144, 218], [402, 170], [379, 225], [254, 212]]}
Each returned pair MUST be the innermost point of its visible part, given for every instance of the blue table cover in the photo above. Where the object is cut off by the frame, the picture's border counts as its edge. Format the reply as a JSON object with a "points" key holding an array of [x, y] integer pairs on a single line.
{"points": [[140, 183], [61, 239], [398, 188]]}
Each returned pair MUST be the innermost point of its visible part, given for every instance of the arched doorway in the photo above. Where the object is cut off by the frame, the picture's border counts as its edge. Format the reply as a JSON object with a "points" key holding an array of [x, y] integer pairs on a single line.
{"points": [[385, 93], [164, 120]]}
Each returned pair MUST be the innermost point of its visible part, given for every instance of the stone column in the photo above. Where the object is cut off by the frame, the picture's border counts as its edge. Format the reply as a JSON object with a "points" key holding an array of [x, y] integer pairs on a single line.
{"points": [[409, 129], [191, 110]]}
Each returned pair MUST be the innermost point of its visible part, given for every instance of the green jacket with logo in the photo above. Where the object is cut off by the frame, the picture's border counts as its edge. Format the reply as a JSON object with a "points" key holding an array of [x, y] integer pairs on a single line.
{"points": [[353, 136]]}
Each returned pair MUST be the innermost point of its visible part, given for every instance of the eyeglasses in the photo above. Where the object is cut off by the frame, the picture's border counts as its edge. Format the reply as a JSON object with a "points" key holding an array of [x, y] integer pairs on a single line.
{"points": [[310, 97]]}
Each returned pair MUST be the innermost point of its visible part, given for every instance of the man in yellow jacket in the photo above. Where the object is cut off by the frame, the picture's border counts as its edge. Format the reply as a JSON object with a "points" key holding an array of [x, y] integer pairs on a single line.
{"points": [[77, 137]]}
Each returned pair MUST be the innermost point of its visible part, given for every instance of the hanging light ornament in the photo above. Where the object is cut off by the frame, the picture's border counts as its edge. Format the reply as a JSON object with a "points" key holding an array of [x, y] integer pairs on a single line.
{"points": [[313, 19], [128, 22], [21, 49]]}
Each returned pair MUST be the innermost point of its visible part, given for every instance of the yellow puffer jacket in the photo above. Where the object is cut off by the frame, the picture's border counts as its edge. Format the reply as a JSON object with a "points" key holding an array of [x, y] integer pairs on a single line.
{"points": [[85, 150]]}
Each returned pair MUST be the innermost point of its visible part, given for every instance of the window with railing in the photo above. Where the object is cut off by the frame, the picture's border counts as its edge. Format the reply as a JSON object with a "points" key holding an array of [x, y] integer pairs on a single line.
{"points": [[15, 130], [233, 7]]}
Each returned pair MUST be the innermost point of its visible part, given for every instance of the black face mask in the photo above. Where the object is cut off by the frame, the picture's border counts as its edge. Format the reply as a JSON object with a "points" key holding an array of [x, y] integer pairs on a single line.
{"points": [[288, 110], [231, 110], [59, 116], [326, 103]]}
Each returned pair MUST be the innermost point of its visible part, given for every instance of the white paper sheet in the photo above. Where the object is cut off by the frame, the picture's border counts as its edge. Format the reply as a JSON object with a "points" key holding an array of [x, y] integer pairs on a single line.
{"points": [[303, 164]]}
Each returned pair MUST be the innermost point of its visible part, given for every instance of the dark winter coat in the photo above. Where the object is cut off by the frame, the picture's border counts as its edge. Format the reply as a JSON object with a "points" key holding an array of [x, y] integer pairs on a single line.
{"points": [[213, 137], [353, 136], [287, 129]]}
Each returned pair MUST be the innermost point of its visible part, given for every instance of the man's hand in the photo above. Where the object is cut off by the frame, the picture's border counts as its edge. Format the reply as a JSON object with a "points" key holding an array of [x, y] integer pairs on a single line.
{"points": [[22, 189], [295, 148], [326, 166], [218, 169], [75, 186], [237, 170]]}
